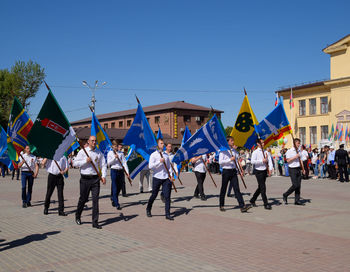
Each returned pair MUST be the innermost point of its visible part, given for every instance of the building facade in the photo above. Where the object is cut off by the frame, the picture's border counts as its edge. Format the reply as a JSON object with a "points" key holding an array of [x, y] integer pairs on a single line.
{"points": [[319, 106], [172, 118]]}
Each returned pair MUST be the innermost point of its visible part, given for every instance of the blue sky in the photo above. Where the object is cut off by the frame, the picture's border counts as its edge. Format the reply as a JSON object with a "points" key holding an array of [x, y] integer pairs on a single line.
{"points": [[202, 52]]}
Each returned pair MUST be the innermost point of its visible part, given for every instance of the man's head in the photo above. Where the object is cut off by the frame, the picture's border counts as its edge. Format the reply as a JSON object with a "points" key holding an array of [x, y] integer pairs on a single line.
{"points": [[297, 142], [169, 148], [341, 146], [260, 143], [92, 142], [160, 143], [230, 141]]}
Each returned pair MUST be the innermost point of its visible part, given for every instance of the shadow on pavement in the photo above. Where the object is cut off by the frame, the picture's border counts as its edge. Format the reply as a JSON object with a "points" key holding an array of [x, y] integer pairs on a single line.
{"points": [[121, 217], [26, 240], [180, 211]]}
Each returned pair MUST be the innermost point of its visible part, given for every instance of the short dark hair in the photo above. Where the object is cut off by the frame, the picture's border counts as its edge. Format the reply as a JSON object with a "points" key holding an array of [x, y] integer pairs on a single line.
{"points": [[258, 140], [296, 140], [229, 137], [115, 142], [160, 139]]}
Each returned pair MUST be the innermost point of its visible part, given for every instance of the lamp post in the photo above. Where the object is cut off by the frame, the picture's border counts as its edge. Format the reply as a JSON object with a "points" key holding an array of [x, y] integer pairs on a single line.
{"points": [[93, 100]]}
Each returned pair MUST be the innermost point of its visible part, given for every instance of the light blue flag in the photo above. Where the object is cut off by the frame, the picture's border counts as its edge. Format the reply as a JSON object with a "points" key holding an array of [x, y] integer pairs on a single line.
{"points": [[187, 135], [72, 147], [5, 159], [103, 142], [274, 126], [141, 135], [3, 141], [208, 138]]}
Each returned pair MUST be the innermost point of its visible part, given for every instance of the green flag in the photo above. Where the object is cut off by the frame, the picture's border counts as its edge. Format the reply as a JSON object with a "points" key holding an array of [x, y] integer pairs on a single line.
{"points": [[52, 133]]}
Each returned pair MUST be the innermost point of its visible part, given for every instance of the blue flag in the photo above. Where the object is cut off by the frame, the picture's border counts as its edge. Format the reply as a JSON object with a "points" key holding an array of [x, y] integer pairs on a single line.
{"points": [[208, 138], [141, 135], [274, 126], [159, 134], [130, 151], [103, 142], [72, 147], [185, 137], [3, 141]]}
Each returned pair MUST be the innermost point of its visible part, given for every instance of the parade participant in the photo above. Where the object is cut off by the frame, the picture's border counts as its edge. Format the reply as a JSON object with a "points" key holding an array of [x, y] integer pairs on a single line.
{"points": [[200, 172], [304, 156], [117, 171], [332, 173], [342, 161], [30, 169], [55, 179], [262, 167], [293, 160], [145, 173], [227, 160], [160, 164], [90, 180]]}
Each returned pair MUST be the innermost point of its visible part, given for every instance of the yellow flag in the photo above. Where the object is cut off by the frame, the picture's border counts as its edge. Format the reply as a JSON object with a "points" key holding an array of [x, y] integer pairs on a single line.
{"points": [[243, 130]]}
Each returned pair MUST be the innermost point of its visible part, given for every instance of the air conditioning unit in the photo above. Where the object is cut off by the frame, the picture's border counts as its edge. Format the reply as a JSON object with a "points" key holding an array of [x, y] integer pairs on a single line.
{"points": [[198, 119]]}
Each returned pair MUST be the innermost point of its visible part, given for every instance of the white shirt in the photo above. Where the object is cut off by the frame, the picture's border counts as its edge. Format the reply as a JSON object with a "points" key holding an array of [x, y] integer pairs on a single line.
{"points": [[158, 168], [199, 165], [30, 159], [258, 157], [113, 162], [225, 159], [290, 154], [86, 168], [52, 168], [304, 155]]}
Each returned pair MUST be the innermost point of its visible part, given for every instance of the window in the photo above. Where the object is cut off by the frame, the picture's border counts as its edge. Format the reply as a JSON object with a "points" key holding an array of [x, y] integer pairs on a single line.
{"points": [[157, 119], [113, 125], [187, 118], [324, 105], [120, 124], [324, 132], [302, 134], [348, 117], [148, 120], [128, 123], [312, 106], [313, 135], [105, 125], [302, 108]]}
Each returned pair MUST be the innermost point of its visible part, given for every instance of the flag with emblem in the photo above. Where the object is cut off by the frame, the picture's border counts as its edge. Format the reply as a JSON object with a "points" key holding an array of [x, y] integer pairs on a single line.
{"points": [[243, 131], [103, 142], [52, 134]]}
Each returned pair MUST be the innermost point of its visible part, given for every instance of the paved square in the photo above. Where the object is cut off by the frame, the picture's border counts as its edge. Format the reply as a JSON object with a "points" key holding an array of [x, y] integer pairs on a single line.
{"points": [[315, 237]]}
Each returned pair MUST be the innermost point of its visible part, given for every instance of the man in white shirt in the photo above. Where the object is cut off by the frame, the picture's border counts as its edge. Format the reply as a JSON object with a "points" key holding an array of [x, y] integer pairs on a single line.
{"points": [[293, 160], [304, 156], [160, 178], [28, 175], [90, 180], [262, 167], [117, 172], [55, 179], [227, 160], [200, 172]]}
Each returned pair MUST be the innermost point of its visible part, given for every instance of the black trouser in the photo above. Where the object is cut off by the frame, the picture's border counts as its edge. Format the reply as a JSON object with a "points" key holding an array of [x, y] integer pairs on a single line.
{"points": [[121, 185], [166, 189], [230, 175], [52, 182], [306, 167], [13, 173], [295, 176], [89, 183], [200, 180], [118, 178], [332, 171], [343, 170], [261, 178]]}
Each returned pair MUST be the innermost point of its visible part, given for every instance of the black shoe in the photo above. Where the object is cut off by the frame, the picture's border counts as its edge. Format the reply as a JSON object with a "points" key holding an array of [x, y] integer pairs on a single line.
{"points": [[62, 214], [96, 226], [203, 198], [285, 200], [245, 208], [46, 211], [119, 208], [196, 196], [222, 209], [78, 221], [168, 217], [24, 205], [268, 207], [141, 191], [253, 203], [113, 204], [148, 213], [29, 204], [299, 203], [124, 195]]}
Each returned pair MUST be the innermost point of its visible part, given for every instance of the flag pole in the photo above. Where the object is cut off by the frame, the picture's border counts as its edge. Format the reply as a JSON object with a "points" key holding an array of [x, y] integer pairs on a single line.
{"points": [[126, 173], [300, 162], [25, 162], [206, 167], [59, 168], [170, 177]]}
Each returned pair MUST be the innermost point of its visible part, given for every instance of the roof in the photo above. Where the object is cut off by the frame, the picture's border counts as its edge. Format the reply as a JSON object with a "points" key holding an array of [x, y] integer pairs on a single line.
{"points": [[303, 86], [339, 45], [167, 106], [119, 134]]}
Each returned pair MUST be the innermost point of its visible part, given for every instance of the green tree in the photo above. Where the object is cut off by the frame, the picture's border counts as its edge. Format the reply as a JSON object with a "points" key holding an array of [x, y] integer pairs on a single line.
{"points": [[23, 81], [228, 130]]}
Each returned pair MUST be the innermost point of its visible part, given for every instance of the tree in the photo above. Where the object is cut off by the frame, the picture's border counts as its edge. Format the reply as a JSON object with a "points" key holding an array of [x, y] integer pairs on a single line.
{"points": [[228, 130], [23, 81]]}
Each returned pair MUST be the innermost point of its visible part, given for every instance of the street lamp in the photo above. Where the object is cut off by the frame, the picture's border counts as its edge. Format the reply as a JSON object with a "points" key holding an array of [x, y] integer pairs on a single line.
{"points": [[93, 100]]}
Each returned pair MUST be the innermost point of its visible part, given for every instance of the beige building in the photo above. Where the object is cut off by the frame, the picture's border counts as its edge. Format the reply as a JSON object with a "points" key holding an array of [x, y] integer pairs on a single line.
{"points": [[319, 105]]}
